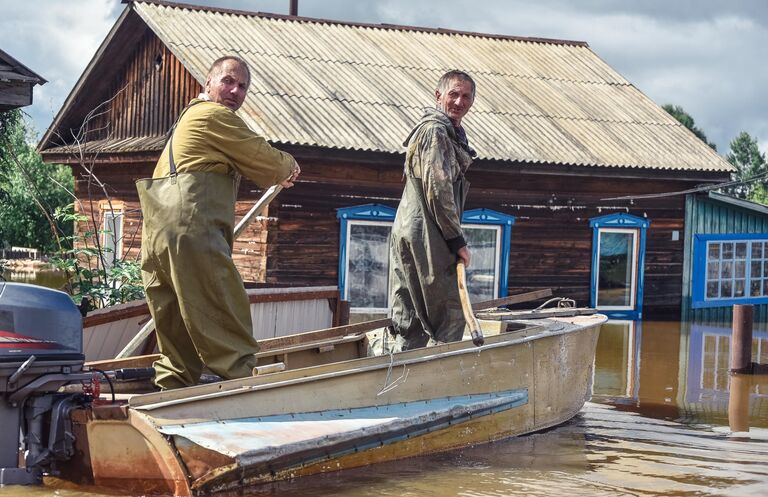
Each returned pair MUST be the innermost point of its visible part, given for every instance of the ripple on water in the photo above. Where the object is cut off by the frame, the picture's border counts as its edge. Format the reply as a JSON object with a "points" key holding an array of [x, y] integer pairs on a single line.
{"points": [[603, 451]]}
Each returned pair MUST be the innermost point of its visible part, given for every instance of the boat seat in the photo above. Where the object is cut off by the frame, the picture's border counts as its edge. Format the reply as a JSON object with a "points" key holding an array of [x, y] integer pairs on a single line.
{"points": [[326, 345]]}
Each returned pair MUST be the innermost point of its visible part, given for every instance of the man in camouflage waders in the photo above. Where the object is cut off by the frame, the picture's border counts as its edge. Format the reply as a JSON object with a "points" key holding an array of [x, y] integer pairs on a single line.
{"points": [[427, 239], [194, 292]]}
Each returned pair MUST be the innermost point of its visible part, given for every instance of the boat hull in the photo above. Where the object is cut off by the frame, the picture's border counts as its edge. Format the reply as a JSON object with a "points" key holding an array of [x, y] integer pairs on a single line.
{"points": [[331, 417]]}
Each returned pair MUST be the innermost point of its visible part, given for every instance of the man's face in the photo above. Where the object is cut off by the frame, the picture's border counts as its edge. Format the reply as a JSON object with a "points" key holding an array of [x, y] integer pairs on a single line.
{"points": [[228, 85], [456, 100]]}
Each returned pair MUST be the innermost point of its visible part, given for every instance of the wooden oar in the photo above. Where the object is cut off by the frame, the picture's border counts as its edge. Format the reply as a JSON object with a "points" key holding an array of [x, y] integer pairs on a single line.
{"points": [[136, 342], [259, 206], [466, 306]]}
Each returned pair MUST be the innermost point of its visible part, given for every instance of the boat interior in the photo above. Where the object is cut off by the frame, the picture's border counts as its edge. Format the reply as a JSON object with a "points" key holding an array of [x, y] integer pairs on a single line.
{"points": [[121, 379]]}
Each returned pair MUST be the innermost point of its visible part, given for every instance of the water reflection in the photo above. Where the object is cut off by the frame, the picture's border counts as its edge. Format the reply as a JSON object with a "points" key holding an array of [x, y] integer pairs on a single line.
{"points": [[658, 425], [617, 362], [44, 277], [677, 371]]}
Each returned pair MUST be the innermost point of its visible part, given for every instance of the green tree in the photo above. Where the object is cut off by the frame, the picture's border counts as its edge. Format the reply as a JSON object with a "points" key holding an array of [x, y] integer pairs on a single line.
{"points": [[87, 275], [687, 120], [750, 163], [30, 190], [37, 210], [760, 195]]}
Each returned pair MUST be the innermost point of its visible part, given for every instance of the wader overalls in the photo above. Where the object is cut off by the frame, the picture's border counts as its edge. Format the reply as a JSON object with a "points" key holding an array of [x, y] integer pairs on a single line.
{"points": [[425, 295], [195, 293]]}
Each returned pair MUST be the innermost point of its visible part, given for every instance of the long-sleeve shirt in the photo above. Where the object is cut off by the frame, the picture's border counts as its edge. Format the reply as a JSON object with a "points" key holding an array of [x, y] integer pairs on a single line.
{"points": [[212, 138]]}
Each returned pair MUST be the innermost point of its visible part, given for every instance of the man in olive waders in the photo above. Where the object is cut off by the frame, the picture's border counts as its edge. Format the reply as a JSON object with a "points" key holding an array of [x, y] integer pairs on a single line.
{"points": [[194, 292], [427, 239]]}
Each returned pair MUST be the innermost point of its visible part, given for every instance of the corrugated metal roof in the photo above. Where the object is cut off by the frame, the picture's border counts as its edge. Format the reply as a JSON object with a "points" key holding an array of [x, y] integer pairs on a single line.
{"points": [[362, 87], [111, 146]]}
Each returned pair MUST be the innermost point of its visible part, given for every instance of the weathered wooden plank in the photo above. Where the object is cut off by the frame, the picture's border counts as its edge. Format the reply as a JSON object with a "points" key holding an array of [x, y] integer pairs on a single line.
{"points": [[15, 94], [513, 299]]}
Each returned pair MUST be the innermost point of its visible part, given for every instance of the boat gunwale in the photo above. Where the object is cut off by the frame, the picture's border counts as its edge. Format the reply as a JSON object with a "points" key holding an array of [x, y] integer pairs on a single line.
{"points": [[342, 368]]}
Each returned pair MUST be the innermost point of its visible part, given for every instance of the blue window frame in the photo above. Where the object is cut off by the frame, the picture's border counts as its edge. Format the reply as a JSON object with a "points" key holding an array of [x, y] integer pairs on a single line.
{"points": [[364, 254], [488, 234], [618, 259], [729, 269]]}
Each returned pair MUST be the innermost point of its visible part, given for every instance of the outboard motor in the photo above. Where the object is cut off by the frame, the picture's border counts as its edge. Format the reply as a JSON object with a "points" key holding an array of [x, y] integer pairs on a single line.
{"points": [[41, 349]]}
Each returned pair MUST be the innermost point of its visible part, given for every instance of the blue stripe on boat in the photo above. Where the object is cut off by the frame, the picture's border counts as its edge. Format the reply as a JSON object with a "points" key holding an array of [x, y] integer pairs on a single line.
{"points": [[272, 443]]}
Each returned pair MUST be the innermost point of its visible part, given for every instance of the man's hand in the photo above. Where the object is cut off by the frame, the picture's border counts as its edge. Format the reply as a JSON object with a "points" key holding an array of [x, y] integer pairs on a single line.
{"points": [[463, 254], [287, 183]]}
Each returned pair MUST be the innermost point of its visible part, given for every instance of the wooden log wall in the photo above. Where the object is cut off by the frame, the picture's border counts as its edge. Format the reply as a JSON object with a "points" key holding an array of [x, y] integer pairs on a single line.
{"points": [[298, 242], [551, 241], [250, 249], [304, 249], [119, 180], [146, 96]]}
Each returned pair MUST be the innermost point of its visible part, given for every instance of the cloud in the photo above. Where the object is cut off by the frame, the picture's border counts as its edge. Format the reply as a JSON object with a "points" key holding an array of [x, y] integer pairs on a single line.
{"points": [[704, 55], [56, 40]]}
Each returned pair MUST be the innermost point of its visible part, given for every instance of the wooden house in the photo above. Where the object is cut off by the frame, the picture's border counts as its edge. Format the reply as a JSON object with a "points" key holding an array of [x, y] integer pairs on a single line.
{"points": [[16, 83], [560, 136]]}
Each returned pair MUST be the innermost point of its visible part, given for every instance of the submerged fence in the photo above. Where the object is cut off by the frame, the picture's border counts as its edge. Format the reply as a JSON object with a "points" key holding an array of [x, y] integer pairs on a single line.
{"points": [[19, 253]]}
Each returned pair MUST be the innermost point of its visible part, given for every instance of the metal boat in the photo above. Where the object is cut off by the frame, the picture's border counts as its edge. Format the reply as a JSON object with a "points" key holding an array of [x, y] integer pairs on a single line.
{"points": [[321, 402]]}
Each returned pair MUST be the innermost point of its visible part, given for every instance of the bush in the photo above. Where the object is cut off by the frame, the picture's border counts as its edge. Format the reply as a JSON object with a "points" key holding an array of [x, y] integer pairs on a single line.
{"points": [[91, 272]]}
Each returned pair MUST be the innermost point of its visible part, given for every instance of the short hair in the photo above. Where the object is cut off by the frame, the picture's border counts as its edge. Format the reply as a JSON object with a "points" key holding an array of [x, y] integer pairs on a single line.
{"points": [[218, 63], [445, 80]]}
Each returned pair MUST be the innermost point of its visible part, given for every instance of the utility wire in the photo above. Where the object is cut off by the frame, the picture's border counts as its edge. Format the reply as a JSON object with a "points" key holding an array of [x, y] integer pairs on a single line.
{"points": [[703, 188]]}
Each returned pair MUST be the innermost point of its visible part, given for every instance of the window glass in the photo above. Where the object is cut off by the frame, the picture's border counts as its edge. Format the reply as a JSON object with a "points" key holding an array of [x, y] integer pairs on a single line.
{"points": [[713, 269], [741, 250], [112, 237], [368, 265], [736, 269], [616, 267], [482, 274], [738, 288], [714, 251], [364, 270], [713, 290], [727, 250]]}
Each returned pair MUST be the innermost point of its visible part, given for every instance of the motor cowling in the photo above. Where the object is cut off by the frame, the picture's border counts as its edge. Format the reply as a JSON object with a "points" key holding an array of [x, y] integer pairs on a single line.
{"points": [[38, 321], [41, 337]]}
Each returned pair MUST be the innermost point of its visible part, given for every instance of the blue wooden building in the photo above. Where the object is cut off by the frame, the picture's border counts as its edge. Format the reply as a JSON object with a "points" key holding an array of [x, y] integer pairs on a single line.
{"points": [[726, 257]]}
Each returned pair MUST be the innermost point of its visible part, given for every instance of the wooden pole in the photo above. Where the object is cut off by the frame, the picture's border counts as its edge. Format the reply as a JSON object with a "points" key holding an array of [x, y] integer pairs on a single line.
{"points": [[469, 315], [738, 402], [137, 341], [293, 9], [741, 339]]}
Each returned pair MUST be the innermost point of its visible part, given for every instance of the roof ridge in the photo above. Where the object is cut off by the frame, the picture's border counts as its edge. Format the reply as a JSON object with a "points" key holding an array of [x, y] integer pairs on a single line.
{"points": [[387, 26]]}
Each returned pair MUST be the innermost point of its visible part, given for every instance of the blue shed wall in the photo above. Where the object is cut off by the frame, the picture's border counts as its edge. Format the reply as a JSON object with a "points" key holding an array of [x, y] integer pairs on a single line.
{"points": [[704, 215]]}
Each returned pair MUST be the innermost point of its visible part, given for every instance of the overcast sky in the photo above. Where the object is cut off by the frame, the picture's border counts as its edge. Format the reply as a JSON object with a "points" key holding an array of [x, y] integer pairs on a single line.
{"points": [[708, 56]]}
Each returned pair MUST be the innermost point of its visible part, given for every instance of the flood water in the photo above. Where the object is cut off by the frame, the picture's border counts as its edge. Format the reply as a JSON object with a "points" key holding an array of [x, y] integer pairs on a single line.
{"points": [[50, 278], [657, 425]]}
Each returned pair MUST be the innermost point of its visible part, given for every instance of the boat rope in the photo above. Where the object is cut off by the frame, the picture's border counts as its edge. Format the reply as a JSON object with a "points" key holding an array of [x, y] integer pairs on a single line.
{"points": [[401, 379], [562, 302]]}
